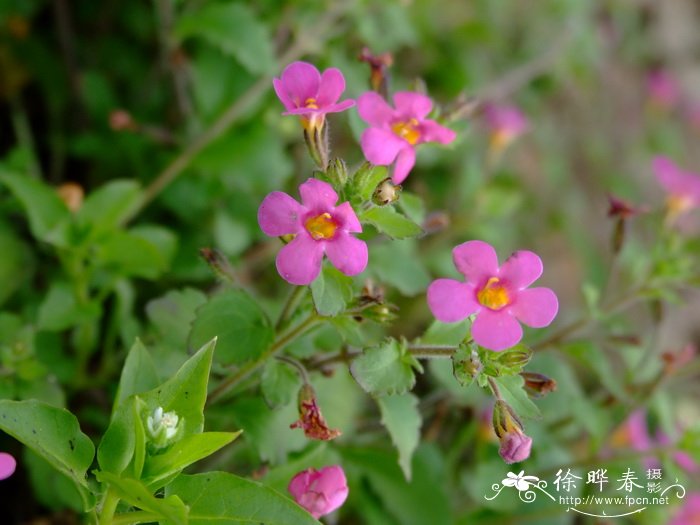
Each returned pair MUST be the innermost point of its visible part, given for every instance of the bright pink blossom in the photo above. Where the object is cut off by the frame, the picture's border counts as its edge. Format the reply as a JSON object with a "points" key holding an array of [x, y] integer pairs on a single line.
{"points": [[690, 511], [7, 465], [307, 93], [498, 296], [683, 187], [320, 491], [319, 227], [663, 89], [506, 123], [394, 133]]}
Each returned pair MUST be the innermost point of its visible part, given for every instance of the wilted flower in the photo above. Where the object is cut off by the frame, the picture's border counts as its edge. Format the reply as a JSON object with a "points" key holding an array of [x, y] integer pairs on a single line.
{"points": [[320, 491], [515, 444], [538, 385], [394, 133], [683, 187], [320, 227], [309, 94], [498, 297], [8, 464], [310, 417]]}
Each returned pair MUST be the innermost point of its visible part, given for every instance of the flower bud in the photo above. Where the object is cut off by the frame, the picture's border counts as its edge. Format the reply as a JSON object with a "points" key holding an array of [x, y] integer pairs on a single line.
{"points": [[319, 491], [518, 357], [386, 193], [162, 427], [72, 194], [515, 445], [310, 417], [8, 464], [337, 173], [538, 385]]}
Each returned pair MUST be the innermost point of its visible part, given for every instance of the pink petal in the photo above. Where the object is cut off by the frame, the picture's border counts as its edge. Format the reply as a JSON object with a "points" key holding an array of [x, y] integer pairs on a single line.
{"points": [[282, 94], [8, 464], [669, 175], [300, 483], [496, 330], [318, 196], [380, 146], [299, 262], [637, 431], [348, 218], [340, 106], [303, 111], [330, 479], [331, 87], [279, 214], [450, 300], [374, 110], [536, 307], [405, 161], [301, 81], [431, 131], [315, 503], [347, 253], [476, 260], [521, 269], [412, 105]]}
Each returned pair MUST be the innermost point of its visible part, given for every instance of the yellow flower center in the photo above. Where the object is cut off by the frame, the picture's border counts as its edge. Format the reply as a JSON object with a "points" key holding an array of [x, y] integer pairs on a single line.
{"points": [[407, 130], [493, 295], [311, 103], [321, 226]]}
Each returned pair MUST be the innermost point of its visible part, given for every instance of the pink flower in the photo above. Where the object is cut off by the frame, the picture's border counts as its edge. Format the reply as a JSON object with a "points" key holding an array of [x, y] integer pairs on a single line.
{"points": [[319, 227], [499, 297], [7, 465], [515, 447], [663, 89], [690, 511], [506, 123], [683, 187], [394, 133], [320, 491], [307, 93]]}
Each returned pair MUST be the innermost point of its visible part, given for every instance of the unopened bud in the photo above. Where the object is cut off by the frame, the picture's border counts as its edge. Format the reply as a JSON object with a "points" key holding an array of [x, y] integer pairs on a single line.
{"points": [[379, 65], [72, 194], [162, 427], [337, 173], [515, 444], [386, 193], [538, 385], [380, 313], [516, 358]]}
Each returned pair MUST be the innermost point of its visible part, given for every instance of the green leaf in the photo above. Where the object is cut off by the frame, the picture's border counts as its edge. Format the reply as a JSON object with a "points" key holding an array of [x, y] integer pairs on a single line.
{"points": [[513, 392], [331, 292], [54, 434], [219, 497], [366, 179], [279, 383], [129, 253], [235, 29], [106, 208], [50, 487], [412, 205], [243, 330], [402, 419], [388, 221], [59, 309], [46, 212], [124, 440], [173, 313], [135, 493], [138, 374], [182, 454], [386, 369], [399, 264]]}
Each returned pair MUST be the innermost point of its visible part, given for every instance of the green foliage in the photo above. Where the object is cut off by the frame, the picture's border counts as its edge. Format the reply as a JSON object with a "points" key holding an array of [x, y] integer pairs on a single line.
{"points": [[279, 383], [390, 222], [331, 292], [386, 369], [402, 419], [511, 388]]}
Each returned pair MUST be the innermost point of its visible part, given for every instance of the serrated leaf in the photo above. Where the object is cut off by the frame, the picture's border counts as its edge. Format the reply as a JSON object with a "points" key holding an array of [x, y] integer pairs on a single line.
{"points": [[388, 221], [243, 330], [279, 383], [135, 493], [54, 434], [182, 454], [386, 369], [235, 29], [219, 497], [331, 291], [402, 419], [513, 392], [46, 212]]}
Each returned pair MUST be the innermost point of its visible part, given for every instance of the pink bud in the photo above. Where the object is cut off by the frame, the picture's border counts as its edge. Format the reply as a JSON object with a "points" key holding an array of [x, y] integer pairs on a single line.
{"points": [[515, 447], [320, 491], [7, 465]]}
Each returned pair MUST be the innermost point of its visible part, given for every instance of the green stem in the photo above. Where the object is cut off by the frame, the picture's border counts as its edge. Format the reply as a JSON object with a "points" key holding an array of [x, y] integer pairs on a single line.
{"points": [[429, 351], [292, 301], [109, 506], [227, 384], [130, 518], [494, 388], [296, 365]]}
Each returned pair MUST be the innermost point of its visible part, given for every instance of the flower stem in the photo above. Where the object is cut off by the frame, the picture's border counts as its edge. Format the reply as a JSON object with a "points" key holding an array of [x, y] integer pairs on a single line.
{"points": [[289, 306], [431, 351], [109, 506], [297, 365], [494, 388], [227, 384]]}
